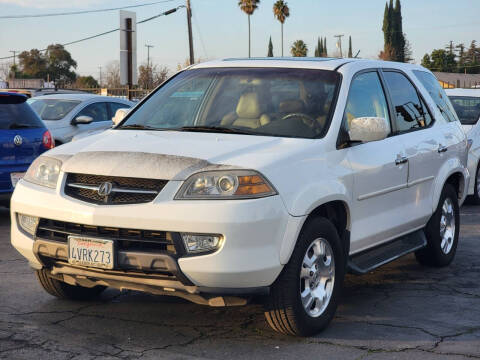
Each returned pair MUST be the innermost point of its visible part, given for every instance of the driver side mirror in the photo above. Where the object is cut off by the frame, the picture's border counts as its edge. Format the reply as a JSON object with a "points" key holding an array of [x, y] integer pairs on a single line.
{"points": [[82, 119], [366, 129]]}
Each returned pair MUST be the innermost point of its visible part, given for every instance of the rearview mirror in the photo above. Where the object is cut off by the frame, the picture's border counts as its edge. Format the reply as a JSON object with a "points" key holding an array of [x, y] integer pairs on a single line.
{"points": [[82, 119], [366, 129], [119, 116]]}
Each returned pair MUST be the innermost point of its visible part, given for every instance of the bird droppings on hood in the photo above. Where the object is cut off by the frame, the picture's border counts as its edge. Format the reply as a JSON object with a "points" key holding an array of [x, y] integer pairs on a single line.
{"points": [[137, 164]]}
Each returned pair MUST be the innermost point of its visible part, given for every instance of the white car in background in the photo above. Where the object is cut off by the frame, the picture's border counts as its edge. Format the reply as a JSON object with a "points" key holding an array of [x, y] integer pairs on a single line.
{"points": [[467, 105], [252, 176], [67, 115]]}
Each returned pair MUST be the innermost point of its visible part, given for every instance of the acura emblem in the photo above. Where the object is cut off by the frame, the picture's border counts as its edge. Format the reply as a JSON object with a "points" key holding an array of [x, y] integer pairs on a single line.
{"points": [[17, 140], [105, 189]]}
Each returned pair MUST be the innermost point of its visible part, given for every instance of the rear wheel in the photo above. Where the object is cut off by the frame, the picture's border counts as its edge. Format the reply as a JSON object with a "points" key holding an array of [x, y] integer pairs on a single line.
{"points": [[63, 290], [304, 298], [442, 231]]}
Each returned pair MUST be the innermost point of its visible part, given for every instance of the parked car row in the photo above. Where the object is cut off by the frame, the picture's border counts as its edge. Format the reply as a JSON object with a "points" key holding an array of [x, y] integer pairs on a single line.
{"points": [[242, 177]]}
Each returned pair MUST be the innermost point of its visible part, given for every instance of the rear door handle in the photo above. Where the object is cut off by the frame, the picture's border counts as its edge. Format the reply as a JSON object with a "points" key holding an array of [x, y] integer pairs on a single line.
{"points": [[401, 160], [442, 149]]}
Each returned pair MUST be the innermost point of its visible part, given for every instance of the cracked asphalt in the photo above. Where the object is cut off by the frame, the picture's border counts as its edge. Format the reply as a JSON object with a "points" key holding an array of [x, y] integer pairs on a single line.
{"points": [[400, 311]]}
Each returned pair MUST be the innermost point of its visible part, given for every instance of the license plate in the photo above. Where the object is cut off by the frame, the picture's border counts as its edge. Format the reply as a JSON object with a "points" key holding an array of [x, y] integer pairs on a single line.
{"points": [[15, 177], [90, 252]]}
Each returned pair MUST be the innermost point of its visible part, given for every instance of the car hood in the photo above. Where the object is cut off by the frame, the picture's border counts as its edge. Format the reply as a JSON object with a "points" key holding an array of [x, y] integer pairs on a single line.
{"points": [[172, 155]]}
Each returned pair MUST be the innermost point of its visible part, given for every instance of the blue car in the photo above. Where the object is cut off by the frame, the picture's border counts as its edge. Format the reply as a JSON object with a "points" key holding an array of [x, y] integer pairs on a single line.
{"points": [[23, 137]]}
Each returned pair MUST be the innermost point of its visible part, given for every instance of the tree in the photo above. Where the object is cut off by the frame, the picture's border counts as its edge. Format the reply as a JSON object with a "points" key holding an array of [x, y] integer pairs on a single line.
{"points": [[270, 48], [408, 51], [248, 7], [440, 60], [281, 11], [350, 51], [325, 52], [151, 76], [394, 38], [32, 64], [86, 82], [299, 49], [319, 52], [59, 63], [472, 58], [112, 74]]}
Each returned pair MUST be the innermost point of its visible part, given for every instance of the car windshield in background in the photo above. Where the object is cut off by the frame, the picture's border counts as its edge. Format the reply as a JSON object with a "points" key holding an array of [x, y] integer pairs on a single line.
{"points": [[18, 116], [259, 101], [467, 108], [52, 109]]}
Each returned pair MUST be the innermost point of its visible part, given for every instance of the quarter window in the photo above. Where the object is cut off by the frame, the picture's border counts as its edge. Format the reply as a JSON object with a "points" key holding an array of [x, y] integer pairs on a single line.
{"points": [[365, 99], [410, 110]]}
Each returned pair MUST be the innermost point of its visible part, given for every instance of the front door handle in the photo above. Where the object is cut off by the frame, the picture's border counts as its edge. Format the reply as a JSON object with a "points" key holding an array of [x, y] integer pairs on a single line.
{"points": [[442, 149], [401, 160]]}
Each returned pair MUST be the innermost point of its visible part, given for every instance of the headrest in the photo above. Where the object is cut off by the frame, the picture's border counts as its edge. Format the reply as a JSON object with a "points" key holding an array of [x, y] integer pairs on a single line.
{"points": [[248, 106], [291, 106]]}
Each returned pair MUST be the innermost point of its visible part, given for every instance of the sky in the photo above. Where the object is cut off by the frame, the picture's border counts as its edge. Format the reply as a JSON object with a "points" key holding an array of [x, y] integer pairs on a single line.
{"points": [[221, 30]]}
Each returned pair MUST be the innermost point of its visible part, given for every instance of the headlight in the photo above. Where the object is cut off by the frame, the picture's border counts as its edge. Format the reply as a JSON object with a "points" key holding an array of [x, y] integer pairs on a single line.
{"points": [[44, 171], [235, 184]]}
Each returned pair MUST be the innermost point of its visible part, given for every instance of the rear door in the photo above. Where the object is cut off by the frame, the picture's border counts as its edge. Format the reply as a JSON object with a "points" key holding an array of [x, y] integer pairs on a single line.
{"points": [[21, 139], [422, 144]]}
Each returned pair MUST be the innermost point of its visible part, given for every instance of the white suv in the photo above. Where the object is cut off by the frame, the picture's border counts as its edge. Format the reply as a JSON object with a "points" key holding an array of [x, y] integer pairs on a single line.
{"points": [[241, 177]]}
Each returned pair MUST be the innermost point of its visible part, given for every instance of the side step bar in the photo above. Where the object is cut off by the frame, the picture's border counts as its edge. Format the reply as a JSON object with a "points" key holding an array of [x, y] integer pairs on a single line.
{"points": [[370, 259]]}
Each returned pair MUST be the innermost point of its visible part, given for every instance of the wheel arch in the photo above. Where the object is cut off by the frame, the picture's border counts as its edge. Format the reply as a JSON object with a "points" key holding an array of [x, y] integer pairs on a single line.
{"points": [[337, 211]]}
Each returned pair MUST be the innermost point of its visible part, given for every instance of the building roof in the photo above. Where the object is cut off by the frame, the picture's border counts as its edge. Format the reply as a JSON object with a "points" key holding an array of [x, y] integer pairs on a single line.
{"points": [[459, 80]]}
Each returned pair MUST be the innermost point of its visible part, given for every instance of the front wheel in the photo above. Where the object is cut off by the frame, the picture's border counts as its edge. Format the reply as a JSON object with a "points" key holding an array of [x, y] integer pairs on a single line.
{"points": [[304, 298], [442, 231]]}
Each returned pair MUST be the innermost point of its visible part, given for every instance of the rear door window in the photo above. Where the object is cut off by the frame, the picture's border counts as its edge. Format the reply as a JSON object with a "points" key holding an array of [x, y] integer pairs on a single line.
{"points": [[98, 111], [18, 116], [410, 110], [115, 106], [467, 108], [437, 93]]}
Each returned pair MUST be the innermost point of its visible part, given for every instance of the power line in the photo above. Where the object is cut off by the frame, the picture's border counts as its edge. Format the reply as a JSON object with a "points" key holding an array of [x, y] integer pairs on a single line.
{"points": [[82, 11], [168, 12]]}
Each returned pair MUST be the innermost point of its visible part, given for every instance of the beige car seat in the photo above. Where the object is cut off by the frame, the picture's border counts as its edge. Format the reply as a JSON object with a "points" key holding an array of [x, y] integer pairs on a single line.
{"points": [[249, 113]]}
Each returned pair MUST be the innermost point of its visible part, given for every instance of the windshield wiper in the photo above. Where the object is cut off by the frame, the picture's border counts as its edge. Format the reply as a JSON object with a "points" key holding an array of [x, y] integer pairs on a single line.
{"points": [[19, 126], [219, 129], [138, 127]]}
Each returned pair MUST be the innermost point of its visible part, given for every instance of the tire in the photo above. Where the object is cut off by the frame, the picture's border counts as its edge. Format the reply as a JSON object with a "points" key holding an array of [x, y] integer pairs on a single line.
{"points": [[475, 198], [284, 310], [65, 291], [442, 244]]}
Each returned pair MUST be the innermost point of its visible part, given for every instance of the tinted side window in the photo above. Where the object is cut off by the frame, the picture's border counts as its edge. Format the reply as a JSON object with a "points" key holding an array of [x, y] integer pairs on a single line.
{"points": [[365, 99], [411, 112], [18, 116], [438, 94], [98, 111], [467, 109]]}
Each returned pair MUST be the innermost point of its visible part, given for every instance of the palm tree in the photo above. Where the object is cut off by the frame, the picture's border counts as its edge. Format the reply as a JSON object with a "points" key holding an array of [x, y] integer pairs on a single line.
{"points": [[281, 12], [299, 49], [248, 7]]}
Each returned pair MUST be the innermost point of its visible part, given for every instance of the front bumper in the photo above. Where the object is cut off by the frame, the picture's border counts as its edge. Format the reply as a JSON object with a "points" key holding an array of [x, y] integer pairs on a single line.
{"points": [[249, 258]]}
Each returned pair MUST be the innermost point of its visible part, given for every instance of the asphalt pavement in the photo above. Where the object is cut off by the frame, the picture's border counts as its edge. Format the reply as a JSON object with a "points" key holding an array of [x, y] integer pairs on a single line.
{"points": [[400, 311]]}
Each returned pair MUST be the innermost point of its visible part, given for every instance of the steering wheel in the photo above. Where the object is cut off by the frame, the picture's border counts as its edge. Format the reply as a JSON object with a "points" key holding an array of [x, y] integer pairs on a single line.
{"points": [[307, 120]]}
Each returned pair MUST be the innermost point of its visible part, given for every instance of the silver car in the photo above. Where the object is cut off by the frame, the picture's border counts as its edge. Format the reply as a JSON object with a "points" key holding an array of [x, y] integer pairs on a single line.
{"points": [[67, 115]]}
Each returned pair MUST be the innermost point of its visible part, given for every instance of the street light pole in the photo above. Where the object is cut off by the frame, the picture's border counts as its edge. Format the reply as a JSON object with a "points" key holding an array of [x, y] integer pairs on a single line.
{"points": [[190, 36]]}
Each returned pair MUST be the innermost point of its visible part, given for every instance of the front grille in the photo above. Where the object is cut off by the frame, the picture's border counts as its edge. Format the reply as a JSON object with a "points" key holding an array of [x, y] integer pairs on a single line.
{"points": [[121, 190], [126, 239]]}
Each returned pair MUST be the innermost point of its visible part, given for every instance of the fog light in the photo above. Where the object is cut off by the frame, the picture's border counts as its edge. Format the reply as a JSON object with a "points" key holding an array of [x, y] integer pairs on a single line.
{"points": [[28, 223], [196, 243]]}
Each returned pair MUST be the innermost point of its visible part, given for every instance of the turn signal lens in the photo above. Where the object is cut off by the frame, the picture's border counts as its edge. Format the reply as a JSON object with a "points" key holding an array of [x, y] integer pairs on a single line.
{"points": [[252, 185], [197, 243]]}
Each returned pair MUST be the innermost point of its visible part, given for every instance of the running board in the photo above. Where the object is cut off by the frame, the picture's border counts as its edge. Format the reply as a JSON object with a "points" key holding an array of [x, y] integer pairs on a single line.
{"points": [[370, 259]]}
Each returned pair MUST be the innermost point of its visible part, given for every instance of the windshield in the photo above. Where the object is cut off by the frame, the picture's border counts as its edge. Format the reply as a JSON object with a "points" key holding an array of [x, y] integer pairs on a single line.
{"points": [[52, 109], [258, 101], [467, 108]]}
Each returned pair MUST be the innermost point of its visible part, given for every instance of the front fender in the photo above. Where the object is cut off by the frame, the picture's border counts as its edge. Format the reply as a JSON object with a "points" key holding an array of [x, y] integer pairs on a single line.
{"points": [[449, 168]]}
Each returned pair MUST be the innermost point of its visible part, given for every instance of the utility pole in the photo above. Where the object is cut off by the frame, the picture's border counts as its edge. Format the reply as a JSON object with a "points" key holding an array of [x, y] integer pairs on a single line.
{"points": [[339, 43], [190, 36], [149, 69], [100, 68], [148, 54]]}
